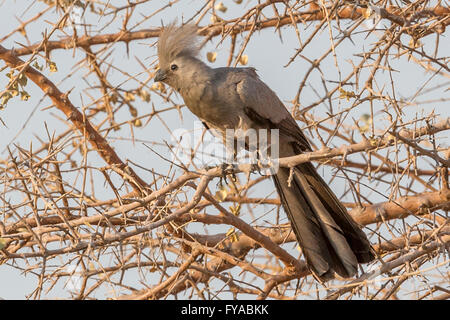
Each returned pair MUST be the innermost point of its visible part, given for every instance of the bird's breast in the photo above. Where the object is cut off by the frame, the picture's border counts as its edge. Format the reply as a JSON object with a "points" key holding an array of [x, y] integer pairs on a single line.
{"points": [[207, 105]]}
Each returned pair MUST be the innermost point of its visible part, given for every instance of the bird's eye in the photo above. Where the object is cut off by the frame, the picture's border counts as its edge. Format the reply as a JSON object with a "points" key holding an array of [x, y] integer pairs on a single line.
{"points": [[173, 67]]}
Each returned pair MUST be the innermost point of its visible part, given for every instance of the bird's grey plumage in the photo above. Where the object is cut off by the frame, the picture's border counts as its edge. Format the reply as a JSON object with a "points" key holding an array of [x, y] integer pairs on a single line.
{"points": [[235, 98]]}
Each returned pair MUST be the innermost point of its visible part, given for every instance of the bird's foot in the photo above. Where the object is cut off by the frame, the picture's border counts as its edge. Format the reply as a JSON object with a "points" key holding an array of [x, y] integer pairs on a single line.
{"points": [[256, 168], [226, 169]]}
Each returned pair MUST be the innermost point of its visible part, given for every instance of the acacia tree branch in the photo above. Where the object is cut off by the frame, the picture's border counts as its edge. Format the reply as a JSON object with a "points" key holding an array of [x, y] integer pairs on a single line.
{"points": [[401, 207], [386, 267], [79, 120], [365, 145], [395, 209], [348, 12]]}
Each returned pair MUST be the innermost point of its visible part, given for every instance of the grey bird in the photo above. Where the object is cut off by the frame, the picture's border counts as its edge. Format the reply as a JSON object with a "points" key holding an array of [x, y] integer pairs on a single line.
{"points": [[235, 98]]}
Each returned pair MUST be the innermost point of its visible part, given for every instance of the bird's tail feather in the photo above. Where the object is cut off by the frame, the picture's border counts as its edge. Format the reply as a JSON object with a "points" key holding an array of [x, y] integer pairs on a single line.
{"points": [[329, 238]]}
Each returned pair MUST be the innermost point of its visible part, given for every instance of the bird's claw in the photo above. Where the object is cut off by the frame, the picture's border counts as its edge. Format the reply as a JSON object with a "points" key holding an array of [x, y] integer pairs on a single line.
{"points": [[256, 167], [226, 169]]}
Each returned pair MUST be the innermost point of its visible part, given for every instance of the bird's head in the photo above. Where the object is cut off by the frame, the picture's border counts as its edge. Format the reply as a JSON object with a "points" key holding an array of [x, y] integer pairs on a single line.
{"points": [[177, 46]]}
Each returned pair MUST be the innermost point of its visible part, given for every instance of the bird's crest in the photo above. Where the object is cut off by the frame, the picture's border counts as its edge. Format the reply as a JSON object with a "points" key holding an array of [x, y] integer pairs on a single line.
{"points": [[177, 41]]}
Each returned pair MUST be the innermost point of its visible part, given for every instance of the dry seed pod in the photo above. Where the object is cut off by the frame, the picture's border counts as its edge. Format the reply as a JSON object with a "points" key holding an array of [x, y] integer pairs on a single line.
{"points": [[211, 56]]}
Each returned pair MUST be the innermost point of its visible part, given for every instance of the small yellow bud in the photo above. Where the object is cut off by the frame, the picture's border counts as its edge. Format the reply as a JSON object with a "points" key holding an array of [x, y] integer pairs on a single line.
{"points": [[144, 95], [367, 13], [215, 19], [129, 96], [346, 94], [52, 66], [211, 56], [221, 194], [243, 60], [220, 6], [24, 95]]}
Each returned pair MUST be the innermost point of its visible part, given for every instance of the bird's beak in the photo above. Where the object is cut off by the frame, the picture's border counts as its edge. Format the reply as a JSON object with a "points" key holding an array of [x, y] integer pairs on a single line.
{"points": [[160, 75]]}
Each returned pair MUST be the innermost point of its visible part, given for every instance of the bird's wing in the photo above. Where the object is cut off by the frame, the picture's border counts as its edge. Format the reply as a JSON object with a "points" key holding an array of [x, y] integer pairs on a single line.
{"points": [[263, 106]]}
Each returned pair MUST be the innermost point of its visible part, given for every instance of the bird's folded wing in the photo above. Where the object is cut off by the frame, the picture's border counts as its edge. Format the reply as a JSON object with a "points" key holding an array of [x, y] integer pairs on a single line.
{"points": [[263, 106]]}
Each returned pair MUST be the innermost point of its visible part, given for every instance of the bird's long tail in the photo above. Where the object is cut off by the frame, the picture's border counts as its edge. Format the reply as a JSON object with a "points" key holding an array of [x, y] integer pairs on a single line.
{"points": [[329, 238]]}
